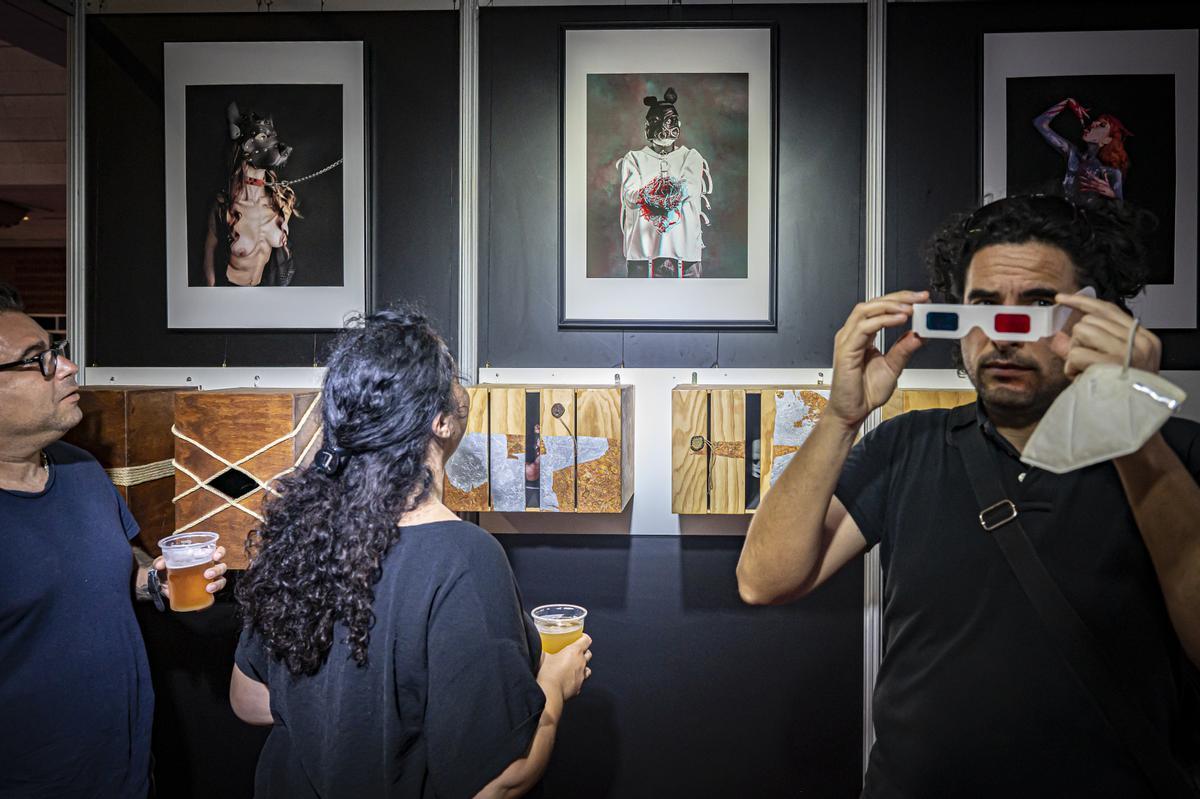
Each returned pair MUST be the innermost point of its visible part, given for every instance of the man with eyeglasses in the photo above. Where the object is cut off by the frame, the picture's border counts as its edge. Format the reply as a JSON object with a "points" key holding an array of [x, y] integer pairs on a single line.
{"points": [[75, 687], [982, 691]]}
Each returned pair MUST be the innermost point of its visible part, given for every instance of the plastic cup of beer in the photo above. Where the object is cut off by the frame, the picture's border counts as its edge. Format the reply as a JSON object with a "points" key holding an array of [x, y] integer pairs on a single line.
{"points": [[188, 555], [558, 625]]}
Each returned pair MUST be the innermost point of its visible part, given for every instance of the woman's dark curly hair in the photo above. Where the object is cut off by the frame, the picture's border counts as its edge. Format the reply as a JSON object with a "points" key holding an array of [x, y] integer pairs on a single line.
{"points": [[1105, 240], [321, 548]]}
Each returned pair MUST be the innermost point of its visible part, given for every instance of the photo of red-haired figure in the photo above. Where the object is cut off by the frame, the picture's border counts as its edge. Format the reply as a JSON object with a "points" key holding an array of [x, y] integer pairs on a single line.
{"points": [[1088, 137], [1096, 165]]}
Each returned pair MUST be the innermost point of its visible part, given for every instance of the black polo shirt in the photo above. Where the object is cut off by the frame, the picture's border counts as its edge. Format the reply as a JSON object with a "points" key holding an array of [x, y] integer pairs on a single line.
{"points": [[973, 698]]}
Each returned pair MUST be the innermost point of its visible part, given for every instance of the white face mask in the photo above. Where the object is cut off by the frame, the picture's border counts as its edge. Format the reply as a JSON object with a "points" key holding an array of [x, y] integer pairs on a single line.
{"points": [[1109, 411]]}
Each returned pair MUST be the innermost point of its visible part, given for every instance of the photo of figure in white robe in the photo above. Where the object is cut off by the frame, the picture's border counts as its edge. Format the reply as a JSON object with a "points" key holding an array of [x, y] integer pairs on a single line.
{"points": [[667, 175], [665, 191]]}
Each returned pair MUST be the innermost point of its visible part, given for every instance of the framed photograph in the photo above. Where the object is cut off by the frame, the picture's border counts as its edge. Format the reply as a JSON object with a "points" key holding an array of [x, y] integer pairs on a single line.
{"points": [[265, 184], [668, 177], [1109, 113]]}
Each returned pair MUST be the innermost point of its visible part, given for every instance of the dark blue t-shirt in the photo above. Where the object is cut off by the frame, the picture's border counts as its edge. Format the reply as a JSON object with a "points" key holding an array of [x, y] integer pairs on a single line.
{"points": [[74, 683]]}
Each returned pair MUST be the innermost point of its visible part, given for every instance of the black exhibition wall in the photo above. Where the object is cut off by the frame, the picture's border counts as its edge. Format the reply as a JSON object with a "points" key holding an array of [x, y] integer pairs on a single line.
{"points": [[411, 80], [934, 118], [821, 127], [693, 693]]}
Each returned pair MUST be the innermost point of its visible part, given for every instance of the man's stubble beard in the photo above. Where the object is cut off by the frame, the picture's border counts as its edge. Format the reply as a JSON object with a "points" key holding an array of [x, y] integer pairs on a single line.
{"points": [[1007, 408]]}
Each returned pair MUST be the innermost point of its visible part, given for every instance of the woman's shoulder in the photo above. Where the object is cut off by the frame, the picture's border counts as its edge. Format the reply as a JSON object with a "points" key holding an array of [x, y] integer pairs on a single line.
{"points": [[455, 542]]}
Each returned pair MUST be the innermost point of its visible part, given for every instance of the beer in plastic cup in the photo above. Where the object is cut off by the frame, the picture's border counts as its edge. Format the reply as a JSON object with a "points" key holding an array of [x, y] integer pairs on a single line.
{"points": [[558, 625], [188, 556]]}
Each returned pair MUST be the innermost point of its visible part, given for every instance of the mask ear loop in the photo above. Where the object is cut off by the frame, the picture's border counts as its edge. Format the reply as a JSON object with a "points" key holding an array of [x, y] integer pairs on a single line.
{"points": [[1129, 347]]}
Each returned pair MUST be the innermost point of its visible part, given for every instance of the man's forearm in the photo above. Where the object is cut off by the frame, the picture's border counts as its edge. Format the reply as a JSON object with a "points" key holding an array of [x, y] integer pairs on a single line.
{"points": [[1166, 504], [781, 555]]}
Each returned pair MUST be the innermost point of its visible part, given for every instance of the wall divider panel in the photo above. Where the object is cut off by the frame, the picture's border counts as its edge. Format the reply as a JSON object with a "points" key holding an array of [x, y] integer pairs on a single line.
{"points": [[713, 723], [821, 92], [411, 84]]}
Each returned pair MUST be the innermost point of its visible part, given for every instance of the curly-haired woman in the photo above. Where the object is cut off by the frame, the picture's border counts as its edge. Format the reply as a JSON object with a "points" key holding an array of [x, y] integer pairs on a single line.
{"points": [[384, 637]]}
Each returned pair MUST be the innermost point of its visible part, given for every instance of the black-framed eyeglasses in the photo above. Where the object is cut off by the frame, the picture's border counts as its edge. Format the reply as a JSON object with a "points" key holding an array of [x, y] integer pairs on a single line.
{"points": [[46, 360]]}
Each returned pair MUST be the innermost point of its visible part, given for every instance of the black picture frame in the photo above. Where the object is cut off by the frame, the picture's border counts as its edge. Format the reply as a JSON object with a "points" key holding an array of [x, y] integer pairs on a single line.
{"points": [[711, 301]]}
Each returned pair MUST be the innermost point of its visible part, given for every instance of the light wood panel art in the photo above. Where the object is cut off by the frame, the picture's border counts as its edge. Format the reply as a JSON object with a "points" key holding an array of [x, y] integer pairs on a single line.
{"points": [[727, 423], [710, 442], [228, 445], [467, 483], [128, 430], [583, 460], [903, 401], [689, 452]]}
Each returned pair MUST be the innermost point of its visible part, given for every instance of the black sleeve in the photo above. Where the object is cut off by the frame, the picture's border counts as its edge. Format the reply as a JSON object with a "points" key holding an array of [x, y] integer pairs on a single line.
{"points": [[866, 479], [484, 702], [251, 657], [1183, 436]]}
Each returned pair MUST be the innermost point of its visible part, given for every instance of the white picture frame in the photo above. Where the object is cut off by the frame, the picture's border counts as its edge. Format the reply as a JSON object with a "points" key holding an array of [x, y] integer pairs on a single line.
{"points": [[1108, 53], [745, 301], [190, 64]]}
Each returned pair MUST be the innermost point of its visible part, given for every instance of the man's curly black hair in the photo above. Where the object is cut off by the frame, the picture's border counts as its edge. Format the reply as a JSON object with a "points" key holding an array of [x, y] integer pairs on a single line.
{"points": [[1106, 241], [320, 552]]}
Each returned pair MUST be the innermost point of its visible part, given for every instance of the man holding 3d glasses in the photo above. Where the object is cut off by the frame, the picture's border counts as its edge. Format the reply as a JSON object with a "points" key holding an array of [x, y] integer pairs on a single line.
{"points": [[1041, 626]]}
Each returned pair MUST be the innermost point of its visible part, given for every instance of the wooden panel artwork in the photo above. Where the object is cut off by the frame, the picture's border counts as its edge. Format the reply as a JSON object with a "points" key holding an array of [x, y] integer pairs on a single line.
{"points": [[584, 457], [920, 399], [280, 425], [599, 433], [506, 451], [727, 470], [467, 487], [788, 417], [556, 449], [627, 433], [689, 467], [128, 430], [713, 480]]}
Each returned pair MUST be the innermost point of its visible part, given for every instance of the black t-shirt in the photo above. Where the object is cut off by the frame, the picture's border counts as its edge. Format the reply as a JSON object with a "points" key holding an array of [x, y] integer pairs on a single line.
{"points": [[449, 696], [76, 703], [973, 697]]}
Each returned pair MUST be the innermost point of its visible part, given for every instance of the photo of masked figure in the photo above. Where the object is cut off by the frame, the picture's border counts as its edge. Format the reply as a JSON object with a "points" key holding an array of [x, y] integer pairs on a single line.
{"points": [[664, 191], [247, 239]]}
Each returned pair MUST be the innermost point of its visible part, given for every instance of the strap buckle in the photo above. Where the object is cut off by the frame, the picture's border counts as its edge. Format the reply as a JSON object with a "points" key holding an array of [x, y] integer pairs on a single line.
{"points": [[997, 515]]}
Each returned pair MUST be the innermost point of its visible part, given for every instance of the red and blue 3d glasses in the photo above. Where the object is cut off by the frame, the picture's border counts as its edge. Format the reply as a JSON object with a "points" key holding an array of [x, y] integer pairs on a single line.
{"points": [[998, 322]]}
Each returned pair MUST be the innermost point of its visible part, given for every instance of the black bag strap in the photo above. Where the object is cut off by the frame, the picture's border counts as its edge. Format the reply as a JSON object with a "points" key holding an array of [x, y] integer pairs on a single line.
{"points": [[1081, 650]]}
